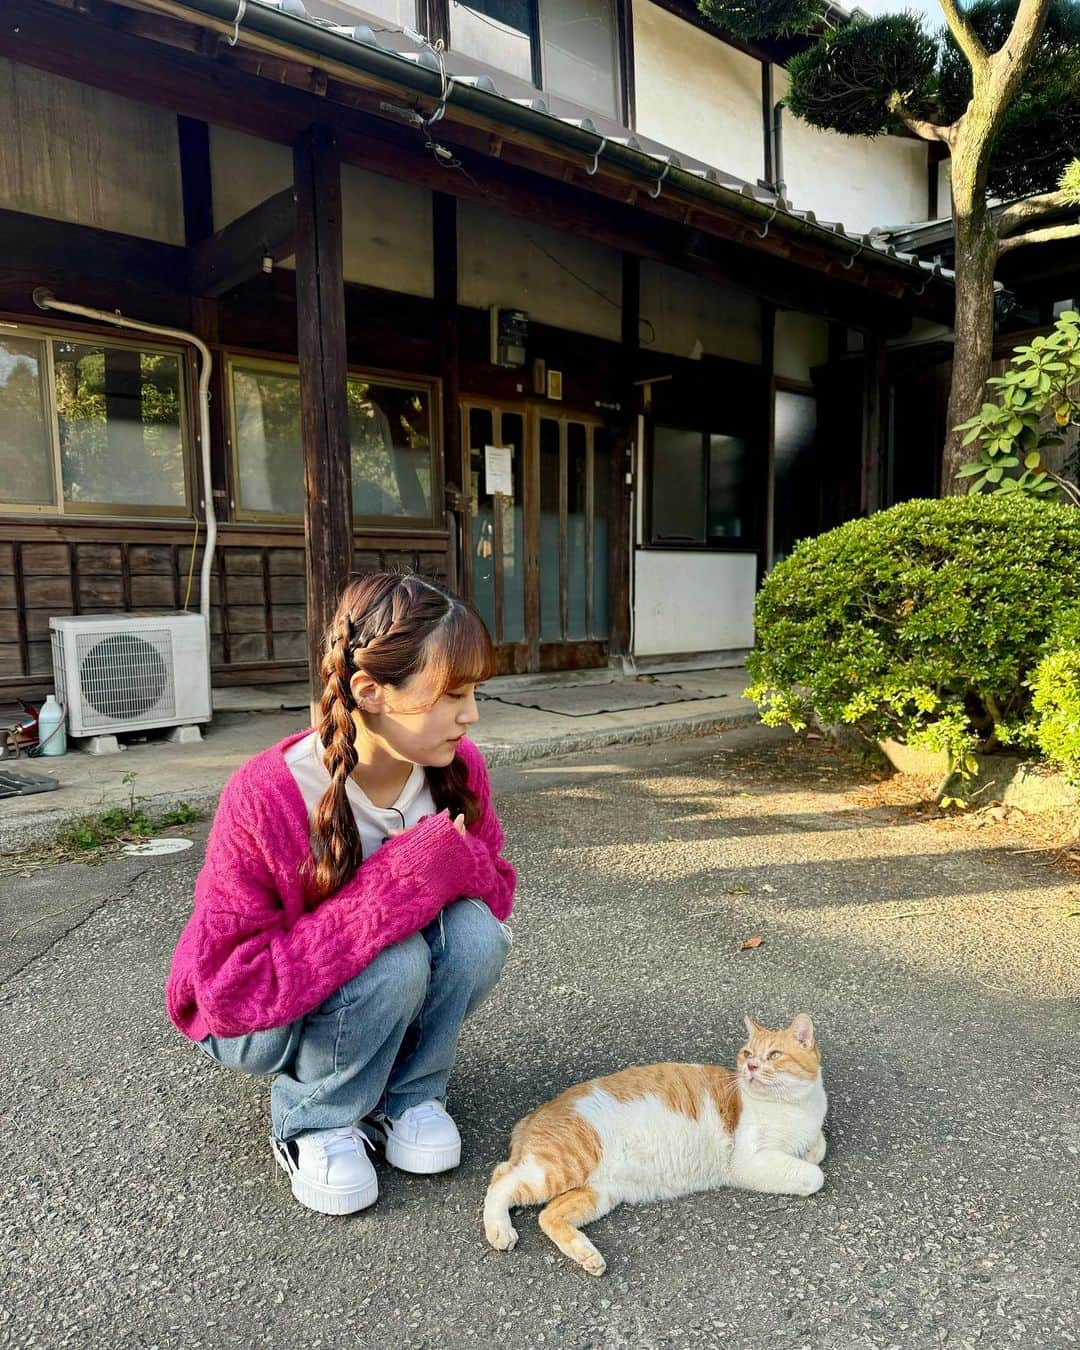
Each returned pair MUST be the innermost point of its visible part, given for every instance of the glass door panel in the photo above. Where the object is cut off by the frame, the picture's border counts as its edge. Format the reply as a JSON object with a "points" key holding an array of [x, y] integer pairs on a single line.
{"points": [[578, 529], [601, 495], [550, 531], [481, 432], [510, 531]]}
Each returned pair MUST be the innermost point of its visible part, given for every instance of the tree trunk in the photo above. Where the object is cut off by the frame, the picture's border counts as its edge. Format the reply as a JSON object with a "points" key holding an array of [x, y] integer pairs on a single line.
{"points": [[976, 260]]}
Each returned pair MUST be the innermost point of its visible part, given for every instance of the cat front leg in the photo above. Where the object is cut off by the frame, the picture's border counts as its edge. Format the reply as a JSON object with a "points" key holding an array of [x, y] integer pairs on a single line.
{"points": [[776, 1173], [816, 1152]]}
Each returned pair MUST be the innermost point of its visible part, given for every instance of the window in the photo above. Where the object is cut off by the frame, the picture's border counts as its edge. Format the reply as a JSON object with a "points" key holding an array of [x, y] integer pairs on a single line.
{"points": [[26, 457], [567, 47], [389, 430], [91, 427], [701, 488]]}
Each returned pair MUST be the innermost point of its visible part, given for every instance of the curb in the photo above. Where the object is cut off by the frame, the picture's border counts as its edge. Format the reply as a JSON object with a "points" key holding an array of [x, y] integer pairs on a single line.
{"points": [[44, 826]]}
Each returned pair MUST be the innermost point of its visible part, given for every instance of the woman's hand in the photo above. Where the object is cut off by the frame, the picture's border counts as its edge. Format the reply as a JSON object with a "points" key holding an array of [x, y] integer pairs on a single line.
{"points": [[458, 823]]}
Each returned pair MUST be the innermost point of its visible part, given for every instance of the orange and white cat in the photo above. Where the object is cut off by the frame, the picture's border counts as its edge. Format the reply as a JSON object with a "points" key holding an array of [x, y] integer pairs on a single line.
{"points": [[664, 1130]]}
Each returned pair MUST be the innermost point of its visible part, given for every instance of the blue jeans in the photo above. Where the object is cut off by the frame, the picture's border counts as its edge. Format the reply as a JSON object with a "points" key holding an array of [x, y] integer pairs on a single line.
{"points": [[386, 1039]]}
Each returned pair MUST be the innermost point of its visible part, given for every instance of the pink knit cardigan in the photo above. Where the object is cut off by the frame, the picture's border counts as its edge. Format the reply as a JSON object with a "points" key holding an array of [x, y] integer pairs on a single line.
{"points": [[255, 955]]}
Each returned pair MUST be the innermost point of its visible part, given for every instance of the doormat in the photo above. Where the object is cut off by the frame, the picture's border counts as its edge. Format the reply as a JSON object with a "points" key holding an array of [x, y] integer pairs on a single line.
{"points": [[24, 784], [586, 700]]}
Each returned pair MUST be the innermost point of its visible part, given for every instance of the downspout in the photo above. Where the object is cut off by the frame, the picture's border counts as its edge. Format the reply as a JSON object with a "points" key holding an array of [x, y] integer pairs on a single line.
{"points": [[44, 299]]}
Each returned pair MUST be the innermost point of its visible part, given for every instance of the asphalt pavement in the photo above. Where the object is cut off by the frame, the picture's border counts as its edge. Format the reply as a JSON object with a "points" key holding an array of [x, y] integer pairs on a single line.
{"points": [[143, 1208]]}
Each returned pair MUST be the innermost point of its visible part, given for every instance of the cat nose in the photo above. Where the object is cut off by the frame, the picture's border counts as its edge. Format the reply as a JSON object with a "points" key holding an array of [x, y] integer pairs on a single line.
{"points": [[753, 1065]]}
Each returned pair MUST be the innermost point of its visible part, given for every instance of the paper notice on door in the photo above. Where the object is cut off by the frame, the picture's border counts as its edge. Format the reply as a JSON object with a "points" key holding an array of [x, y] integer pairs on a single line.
{"points": [[498, 470]]}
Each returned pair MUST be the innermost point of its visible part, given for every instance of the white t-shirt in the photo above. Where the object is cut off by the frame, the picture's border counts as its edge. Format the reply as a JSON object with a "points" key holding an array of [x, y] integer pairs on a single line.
{"points": [[375, 823]]}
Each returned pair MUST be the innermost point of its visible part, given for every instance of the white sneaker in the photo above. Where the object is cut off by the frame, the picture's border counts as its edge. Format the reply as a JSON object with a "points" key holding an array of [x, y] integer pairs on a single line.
{"points": [[423, 1139], [329, 1169]]}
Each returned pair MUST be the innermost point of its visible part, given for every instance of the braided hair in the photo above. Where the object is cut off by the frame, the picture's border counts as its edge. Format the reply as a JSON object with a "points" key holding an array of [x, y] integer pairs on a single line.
{"points": [[391, 625]]}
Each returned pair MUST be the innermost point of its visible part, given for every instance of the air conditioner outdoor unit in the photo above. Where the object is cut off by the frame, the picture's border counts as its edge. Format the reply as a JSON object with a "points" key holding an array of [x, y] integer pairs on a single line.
{"points": [[124, 672]]}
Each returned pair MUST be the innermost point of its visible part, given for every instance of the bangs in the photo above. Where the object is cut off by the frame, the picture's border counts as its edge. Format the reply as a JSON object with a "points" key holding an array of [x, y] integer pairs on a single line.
{"points": [[459, 651]]}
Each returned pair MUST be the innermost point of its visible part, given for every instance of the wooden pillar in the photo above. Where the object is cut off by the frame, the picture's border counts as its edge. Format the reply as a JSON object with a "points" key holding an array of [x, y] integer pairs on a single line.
{"points": [[324, 420], [874, 428], [620, 537], [768, 477], [444, 250]]}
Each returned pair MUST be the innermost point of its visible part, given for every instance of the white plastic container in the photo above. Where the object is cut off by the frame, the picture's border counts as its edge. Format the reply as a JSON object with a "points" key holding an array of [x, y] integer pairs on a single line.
{"points": [[52, 734]]}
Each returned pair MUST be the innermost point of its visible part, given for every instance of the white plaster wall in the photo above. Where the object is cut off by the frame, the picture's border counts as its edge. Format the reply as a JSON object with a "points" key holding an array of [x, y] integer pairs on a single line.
{"points": [[697, 94], [386, 225], [685, 310], [859, 181], [69, 152], [693, 602], [506, 261], [802, 342]]}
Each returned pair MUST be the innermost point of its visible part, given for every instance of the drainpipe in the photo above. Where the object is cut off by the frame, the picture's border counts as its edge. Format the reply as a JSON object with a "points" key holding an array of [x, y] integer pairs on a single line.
{"points": [[778, 150], [44, 299]]}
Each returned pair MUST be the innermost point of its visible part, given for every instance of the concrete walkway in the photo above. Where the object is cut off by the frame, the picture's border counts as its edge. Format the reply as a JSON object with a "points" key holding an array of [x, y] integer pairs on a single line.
{"points": [[941, 968], [247, 720]]}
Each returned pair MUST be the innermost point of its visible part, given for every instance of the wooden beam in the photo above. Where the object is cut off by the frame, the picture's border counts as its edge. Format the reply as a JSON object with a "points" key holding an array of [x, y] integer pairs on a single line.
{"points": [[236, 253], [324, 418], [230, 92], [196, 186], [55, 250]]}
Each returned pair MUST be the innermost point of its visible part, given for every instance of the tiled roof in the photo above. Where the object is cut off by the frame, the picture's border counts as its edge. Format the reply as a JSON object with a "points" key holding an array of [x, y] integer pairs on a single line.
{"points": [[595, 135]]}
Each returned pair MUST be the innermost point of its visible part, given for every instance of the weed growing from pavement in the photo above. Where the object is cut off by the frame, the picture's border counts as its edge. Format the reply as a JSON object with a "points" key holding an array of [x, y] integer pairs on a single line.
{"points": [[100, 835]]}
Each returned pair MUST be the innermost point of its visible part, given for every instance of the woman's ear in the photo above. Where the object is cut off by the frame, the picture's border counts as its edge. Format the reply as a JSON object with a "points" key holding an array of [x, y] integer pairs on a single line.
{"points": [[367, 695]]}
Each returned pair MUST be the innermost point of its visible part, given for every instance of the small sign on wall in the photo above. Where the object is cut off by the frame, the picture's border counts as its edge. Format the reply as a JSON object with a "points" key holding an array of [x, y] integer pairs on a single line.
{"points": [[498, 470], [554, 384]]}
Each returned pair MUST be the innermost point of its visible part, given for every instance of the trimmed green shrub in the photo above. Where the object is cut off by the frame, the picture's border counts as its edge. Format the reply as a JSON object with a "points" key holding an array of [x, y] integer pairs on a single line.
{"points": [[924, 622], [1055, 689]]}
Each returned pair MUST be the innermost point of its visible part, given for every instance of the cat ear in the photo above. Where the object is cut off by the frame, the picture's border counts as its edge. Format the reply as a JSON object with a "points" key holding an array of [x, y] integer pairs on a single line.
{"points": [[751, 1026], [803, 1030]]}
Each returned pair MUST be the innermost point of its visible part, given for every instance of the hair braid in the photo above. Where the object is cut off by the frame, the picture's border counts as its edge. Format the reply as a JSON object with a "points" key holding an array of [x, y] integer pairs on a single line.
{"points": [[340, 851], [391, 625]]}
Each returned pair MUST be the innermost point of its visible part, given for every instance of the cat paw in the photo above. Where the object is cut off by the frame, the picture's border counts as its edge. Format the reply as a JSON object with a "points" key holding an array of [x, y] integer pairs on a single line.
{"points": [[502, 1236], [592, 1262], [809, 1181], [816, 1152]]}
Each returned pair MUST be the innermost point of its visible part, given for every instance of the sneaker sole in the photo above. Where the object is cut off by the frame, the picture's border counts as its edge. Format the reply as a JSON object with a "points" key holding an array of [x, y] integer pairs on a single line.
{"points": [[423, 1161], [329, 1199]]}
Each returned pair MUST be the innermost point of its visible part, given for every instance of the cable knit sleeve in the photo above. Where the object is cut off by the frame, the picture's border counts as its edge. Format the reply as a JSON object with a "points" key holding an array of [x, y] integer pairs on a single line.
{"points": [[254, 969], [494, 879]]}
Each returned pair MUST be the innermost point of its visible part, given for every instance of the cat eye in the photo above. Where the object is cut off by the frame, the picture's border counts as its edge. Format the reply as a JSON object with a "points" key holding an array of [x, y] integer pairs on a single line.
{"points": [[774, 1054]]}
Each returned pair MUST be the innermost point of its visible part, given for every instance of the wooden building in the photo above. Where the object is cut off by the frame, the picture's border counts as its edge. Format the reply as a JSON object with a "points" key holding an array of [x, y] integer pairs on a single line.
{"points": [[406, 254]]}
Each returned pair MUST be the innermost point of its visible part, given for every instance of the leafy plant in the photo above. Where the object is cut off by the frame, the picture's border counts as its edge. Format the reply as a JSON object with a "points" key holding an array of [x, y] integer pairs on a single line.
{"points": [[753, 19], [120, 823], [922, 623], [1055, 687], [1043, 380]]}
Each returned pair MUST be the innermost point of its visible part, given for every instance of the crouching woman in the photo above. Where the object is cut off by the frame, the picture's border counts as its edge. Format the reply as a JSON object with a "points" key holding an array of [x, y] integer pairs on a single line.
{"points": [[351, 910]]}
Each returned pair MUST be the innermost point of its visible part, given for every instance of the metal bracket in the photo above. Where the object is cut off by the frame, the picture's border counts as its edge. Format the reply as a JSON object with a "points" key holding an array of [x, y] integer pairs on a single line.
{"points": [[655, 192], [596, 157], [240, 11], [851, 261], [761, 234]]}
